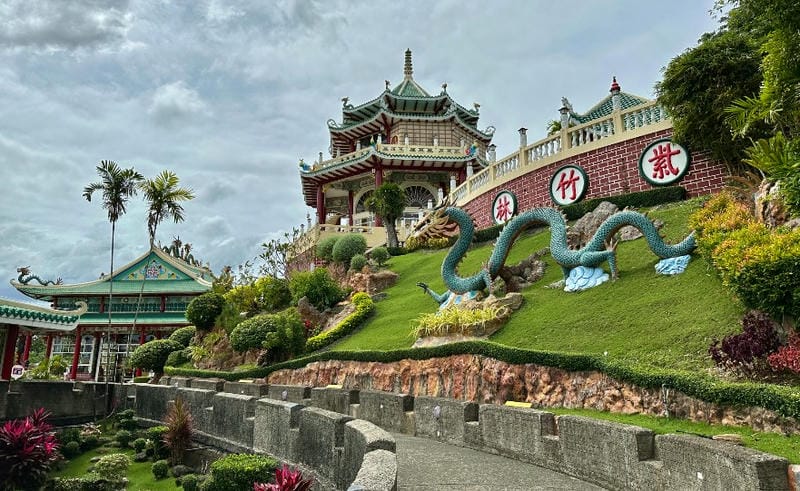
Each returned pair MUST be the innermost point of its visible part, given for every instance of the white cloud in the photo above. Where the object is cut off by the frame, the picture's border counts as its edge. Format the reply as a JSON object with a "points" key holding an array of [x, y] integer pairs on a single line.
{"points": [[176, 101]]}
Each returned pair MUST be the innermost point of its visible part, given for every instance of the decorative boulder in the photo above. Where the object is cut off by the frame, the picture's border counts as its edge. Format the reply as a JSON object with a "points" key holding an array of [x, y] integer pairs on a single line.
{"points": [[583, 278], [673, 265]]}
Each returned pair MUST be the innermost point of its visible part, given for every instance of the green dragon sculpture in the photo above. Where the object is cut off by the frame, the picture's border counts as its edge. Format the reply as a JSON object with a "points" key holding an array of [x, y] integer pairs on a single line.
{"points": [[26, 277], [592, 254]]}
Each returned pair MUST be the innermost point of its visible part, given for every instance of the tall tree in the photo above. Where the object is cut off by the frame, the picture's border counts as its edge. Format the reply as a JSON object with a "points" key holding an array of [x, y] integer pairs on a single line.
{"points": [[117, 186], [388, 201], [164, 197]]}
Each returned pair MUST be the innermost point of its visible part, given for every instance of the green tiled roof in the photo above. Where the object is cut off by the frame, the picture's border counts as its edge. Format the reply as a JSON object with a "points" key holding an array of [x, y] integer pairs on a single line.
{"points": [[170, 275], [605, 107], [34, 316], [22, 313], [409, 88]]}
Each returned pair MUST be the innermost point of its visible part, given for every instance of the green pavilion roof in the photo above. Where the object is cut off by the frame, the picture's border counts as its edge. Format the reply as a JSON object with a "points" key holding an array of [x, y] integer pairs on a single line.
{"points": [[605, 107], [142, 319], [37, 317], [155, 272]]}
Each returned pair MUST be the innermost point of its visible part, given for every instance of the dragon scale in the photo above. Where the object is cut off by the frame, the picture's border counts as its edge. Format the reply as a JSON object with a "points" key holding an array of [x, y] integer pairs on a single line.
{"points": [[591, 255]]}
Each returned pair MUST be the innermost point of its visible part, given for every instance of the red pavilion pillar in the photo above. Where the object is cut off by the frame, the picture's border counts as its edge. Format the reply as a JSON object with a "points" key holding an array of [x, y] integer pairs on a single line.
{"points": [[76, 355], [9, 352], [378, 182], [48, 350], [26, 351], [320, 205]]}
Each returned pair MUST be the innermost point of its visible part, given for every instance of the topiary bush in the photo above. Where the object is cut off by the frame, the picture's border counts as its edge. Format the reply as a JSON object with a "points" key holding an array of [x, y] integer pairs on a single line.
{"points": [[153, 355], [250, 333], [288, 338], [183, 335], [71, 449], [380, 255], [112, 466], [190, 482], [155, 435], [348, 246], [318, 286], [325, 248], [123, 437], [358, 262], [178, 358], [139, 445], [237, 472], [160, 469], [202, 311]]}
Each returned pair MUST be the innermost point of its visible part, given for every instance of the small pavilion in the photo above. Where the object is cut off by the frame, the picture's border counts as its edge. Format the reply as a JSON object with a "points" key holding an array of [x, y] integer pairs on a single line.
{"points": [[149, 297], [23, 320]]}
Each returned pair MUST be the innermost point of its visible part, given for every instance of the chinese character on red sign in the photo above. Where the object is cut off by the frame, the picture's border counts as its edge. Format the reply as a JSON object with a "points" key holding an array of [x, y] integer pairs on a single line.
{"points": [[565, 183], [504, 209], [662, 161]]}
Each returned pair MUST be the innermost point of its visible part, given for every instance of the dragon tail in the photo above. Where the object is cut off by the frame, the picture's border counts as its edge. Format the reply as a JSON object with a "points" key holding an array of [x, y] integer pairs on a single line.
{"points": [[663, 250]]}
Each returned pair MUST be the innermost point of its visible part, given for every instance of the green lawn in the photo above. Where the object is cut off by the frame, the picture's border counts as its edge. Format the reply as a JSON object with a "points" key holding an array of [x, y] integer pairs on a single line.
{"points": [[140, 476], [641, 319]]}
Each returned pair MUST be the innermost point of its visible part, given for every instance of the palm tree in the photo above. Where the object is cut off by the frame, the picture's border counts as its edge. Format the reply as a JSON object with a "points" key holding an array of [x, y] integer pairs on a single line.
{"points": [[117, 186], [164, 199]]}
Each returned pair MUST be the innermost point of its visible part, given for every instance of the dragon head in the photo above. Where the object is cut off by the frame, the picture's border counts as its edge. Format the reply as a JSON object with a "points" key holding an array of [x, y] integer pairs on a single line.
{"points": [[436, 224], [24, 270]]}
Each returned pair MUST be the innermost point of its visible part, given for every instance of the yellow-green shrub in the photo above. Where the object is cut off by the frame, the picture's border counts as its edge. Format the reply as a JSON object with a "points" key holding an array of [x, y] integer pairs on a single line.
{"points": [[454, 320], [364, 306]]}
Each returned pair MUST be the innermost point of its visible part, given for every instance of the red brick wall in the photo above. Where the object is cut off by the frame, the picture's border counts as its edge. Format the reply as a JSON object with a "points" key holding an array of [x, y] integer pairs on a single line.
{"points": [[611, 170]]}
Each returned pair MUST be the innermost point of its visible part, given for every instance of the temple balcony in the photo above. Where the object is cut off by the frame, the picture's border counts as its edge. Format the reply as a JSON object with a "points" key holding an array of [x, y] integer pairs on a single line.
{"points": [[396, 151]]}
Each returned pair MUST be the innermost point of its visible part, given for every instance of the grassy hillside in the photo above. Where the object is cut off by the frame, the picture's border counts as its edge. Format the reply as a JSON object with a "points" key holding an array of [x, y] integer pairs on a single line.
{"points": [[642, 318]]}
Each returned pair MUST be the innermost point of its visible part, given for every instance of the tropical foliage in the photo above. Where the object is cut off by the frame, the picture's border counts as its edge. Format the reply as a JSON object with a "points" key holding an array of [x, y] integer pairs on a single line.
{"points": [[28, 450], [388, 202], [164, 196]]}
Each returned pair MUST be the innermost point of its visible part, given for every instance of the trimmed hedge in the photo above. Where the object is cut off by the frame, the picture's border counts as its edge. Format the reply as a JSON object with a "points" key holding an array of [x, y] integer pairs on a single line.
{"points": [[641, 199], [364, 306], [239, 471], [783, 400], [183, 335]]}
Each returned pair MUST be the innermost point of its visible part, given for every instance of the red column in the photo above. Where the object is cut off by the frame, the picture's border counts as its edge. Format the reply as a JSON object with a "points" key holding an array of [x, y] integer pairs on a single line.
{"points": [[48, 350], [76, 355], [350, 208], [320, 205], [462, 176], [26, 351], [8, 354], [378, 182], [163, 303]]}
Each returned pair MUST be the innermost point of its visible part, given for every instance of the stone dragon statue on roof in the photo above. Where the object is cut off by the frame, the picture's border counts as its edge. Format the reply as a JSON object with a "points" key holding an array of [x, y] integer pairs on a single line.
{"points": [[595, 252], [26, 277]]}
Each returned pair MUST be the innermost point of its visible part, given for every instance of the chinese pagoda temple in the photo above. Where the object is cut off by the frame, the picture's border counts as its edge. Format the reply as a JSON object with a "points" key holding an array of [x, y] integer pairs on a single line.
{"points": [[149, 299], [427, 144]]}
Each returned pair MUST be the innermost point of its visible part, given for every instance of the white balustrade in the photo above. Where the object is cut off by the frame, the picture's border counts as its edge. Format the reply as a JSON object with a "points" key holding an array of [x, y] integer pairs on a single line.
{"points": [[508, 164], [480, 179]]}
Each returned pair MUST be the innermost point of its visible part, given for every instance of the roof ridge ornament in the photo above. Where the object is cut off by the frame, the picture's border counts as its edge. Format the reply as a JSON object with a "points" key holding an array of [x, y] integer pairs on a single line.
{"points": [[408, 69], [614, 85]]}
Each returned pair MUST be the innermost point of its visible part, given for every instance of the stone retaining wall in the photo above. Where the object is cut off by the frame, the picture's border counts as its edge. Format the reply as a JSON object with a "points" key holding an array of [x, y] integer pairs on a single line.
{"points": [[67, 402], [485, 380], [335, 447]]}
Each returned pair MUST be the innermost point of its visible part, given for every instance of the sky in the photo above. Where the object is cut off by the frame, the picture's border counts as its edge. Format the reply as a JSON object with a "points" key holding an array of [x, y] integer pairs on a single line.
{"points": [[230, 94]]}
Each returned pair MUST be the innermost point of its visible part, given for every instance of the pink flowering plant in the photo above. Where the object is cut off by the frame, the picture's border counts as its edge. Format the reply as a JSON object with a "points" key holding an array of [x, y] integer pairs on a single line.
{"points": [[286, 479], [28, 449]]}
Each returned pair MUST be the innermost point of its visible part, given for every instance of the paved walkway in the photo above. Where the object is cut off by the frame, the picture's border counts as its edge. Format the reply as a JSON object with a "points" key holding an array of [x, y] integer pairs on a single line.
{"points": [[424, 464]]}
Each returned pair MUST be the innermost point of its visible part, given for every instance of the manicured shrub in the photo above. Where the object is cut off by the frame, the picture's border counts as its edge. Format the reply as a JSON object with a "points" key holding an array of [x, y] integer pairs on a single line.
{"points": [[152, 355], [348, 246], [71, 449], [203, 310], [66, 435], [325, 248], [286, 479], [123, 437], [179, 430], [155, 435], [487, 234], [190, 482], [160, 469], [28, 449], [250, 333], [287, 340], [358, 262], [364, 306], [746, 352], [88, 482], [89, 442], [183, 335], [178, 358], [128, 424], [237, 472], [139, 445], [112, 466], [380, 255], [126, 414], [272, 294], [721, 215], [318, 286], [397, 251]]}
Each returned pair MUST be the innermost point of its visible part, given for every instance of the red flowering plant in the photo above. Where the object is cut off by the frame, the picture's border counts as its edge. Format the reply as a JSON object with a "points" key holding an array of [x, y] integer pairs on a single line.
{"points": [[787, 358], [286, 479], [28, 449]]}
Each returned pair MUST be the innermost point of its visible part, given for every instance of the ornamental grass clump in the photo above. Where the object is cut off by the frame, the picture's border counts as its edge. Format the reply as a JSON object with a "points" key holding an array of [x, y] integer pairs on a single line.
{"points": [[28, 450], [179, 430], [454, 320]]}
